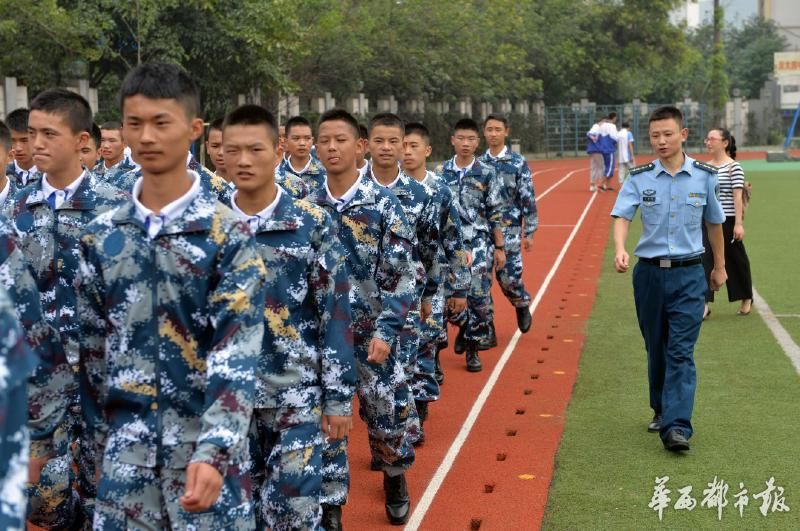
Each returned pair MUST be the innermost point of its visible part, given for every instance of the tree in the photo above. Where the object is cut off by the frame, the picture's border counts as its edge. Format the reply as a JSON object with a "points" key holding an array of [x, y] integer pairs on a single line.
{"points": [[750, 50]]}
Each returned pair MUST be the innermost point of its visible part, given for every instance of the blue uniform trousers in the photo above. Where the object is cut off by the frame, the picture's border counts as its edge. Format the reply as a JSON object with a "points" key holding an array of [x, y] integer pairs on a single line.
{"points": [[669, 307]]}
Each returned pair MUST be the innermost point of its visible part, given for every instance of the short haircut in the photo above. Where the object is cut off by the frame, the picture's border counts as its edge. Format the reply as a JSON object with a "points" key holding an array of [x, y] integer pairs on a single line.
{"points": [[297, 121], [466, 124], [253, 115], [161, 81], [626, 125], [17, 120], [71, 106], [340, 115], [498, 117], [612, 115], [665, 113], [418, 128], [112, 126], [94, 132], [215, 125], [5, 138], [386, 119], [363, 132]]}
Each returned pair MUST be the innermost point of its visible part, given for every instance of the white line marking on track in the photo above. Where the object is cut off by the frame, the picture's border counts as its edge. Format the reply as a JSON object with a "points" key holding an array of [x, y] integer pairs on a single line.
{"points": [[541, 196], [780, 314], [447, 463], [781, 335]]}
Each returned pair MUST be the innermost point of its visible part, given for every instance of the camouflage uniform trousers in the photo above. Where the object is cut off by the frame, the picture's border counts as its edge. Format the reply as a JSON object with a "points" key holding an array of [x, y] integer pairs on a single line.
{"points": [[385, 402], [137, 498], [510, 276], [286, 449], [408, 346], [480, 309]]}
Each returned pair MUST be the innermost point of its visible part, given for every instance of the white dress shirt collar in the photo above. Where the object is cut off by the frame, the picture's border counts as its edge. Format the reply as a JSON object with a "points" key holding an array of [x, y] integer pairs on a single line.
{"points": [[154, 222], [341, 202], [254, 220], [61, 195]]}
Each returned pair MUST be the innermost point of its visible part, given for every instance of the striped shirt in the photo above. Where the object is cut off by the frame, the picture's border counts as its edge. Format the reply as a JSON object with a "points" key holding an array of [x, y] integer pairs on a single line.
{"points": [[730, 176]]}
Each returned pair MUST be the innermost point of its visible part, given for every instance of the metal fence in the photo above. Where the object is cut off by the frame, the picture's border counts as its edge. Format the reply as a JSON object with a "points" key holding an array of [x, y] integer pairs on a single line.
{"points": [[565, 126]]}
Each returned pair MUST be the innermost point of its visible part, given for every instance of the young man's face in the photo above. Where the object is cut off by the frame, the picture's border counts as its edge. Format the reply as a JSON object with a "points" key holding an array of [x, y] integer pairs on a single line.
{"points": [[299, 141], [214, 149], [416, 151], [21, 148], [337, 145], [386, 145], [6, 155], [465, 142], [56, 148], [159, 132], [249, 154], [111, 146], [495, 132], [667, 137], [89, 153]]}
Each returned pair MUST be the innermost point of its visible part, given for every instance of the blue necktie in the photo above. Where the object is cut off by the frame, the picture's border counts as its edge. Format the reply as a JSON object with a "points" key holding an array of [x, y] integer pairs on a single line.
{"points": [[51, 200]]}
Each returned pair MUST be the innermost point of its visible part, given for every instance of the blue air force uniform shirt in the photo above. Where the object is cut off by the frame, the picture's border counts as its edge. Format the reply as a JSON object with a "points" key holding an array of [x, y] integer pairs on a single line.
{"points": [[673, 207]]}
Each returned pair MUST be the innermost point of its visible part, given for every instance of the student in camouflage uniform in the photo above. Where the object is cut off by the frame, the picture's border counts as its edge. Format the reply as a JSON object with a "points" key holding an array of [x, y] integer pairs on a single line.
{"points": [[171, 297], [115, 161], [22, 168], [300, 160], [50, 214], [90, 154], [8, 185], [306, 376], [378, 249], [386, 132], [213, 146], [17, 361], [483, 206], [452, 258], [523, 218]]}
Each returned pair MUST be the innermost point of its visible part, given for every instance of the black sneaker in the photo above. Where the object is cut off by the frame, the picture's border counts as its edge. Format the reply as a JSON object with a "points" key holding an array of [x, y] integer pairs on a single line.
{"points": [[655, 424]]}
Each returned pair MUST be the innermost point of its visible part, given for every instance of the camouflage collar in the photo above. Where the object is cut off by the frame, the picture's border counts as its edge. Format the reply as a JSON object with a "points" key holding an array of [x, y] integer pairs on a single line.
{"points": [[284, 217], [84, 197], [365, 195], [199, 216]]}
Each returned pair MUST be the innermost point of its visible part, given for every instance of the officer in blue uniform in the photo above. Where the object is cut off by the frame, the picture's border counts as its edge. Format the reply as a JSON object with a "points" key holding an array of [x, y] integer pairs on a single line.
{"points": [[675, 194]]}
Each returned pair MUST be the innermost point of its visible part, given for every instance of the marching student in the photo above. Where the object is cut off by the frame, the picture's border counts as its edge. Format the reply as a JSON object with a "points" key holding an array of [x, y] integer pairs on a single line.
{"points": [[377, 243], [484, 212], [362, 164], [112, 150], [214, 149], [8, 185], [452, 291], [23, 168], [90, 154], [299, 160], [306, 371], [50, 215], [523, 218], [171, 316]]}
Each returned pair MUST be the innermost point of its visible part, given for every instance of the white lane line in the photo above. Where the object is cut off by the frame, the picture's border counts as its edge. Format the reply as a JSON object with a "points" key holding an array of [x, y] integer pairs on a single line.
{"points": [[541, 196], [447, 463], [780, 314], [539, 172], [781, 335]]}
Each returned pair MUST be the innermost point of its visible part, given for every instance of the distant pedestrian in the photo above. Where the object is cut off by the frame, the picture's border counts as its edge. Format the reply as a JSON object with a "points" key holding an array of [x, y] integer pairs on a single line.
{"points": [[625, 146]]}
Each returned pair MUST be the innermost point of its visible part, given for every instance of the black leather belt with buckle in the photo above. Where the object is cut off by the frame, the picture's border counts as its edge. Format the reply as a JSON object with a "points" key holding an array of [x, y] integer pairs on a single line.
{"points": [[666, 263]]}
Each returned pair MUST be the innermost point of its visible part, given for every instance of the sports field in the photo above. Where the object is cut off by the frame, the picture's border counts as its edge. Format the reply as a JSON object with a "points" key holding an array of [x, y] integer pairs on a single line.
{"points": [[552, 433]]}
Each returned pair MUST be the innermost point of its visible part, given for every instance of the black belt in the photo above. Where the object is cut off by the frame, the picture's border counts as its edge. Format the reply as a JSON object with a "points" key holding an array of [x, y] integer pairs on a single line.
{"points": [[667, 263]]}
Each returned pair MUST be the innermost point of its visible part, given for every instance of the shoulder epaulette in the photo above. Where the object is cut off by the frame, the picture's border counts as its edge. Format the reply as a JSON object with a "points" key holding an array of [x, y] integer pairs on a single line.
{"points": [[643, 168], [705, 166]]}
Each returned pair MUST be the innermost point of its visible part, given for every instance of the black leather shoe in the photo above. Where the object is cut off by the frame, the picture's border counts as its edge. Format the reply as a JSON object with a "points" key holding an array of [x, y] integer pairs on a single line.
{"points": [[398, 503], [524, 319], [655, 424], [490, 341], [676, 442], [473, 360], [422, 410], [438, 374], [376, 465], [460, 344], [331, 517]]}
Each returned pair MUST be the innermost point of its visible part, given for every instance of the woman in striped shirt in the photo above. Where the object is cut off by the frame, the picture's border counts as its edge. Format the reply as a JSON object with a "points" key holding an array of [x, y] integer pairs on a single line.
{"points": [[722, 147]]}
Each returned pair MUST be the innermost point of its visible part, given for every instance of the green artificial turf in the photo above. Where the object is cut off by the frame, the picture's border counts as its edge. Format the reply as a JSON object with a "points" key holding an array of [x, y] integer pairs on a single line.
{"points": [[747, 409]]}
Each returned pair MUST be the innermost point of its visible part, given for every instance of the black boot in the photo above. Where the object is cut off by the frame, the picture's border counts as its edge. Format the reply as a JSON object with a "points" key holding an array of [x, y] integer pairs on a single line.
{"points": [[438, 375], [376, 465], [524, 319], [489, 341], [422, 410], [460, 344], [398, 503], [473, 360], [331, 517]]}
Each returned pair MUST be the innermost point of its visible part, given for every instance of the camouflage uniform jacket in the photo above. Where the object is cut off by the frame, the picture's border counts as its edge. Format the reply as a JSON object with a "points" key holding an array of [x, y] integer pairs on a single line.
{"points": [[12, 191], [20, 177], [49, 241], [377, 242], [113, 173], [307, 355], [513, 170], [416, 199], [171, 333], [49, 387], [313, 177], [480, 197], [452, 255], [16, 363]]}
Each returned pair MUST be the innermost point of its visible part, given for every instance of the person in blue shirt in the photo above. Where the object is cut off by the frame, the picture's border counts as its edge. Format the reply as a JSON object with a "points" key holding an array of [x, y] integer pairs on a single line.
{"points": [[675, 194]]}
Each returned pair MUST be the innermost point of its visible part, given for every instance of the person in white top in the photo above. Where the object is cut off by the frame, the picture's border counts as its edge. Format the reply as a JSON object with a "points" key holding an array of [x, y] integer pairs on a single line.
{"points": [[626, 158]]}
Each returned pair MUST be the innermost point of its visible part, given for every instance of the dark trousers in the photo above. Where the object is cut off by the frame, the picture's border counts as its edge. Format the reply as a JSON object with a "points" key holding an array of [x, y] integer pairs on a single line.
{"points": [[669, 307], [737, 264]]}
